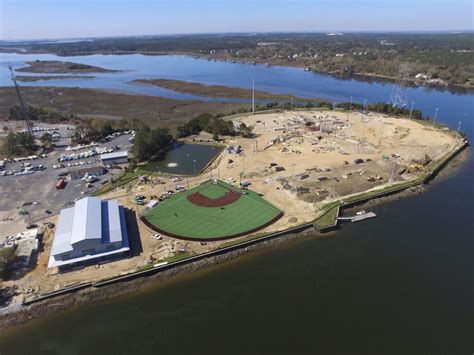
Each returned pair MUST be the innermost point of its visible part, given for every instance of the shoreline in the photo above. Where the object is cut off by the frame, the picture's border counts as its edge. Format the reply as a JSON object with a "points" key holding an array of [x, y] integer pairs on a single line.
{"points": [[60, 67], [366, 77], [15, 315], [217, 91], [30, 78]]}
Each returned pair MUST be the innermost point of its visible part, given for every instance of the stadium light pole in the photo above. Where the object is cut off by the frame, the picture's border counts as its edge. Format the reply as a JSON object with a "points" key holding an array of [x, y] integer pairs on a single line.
{"points": [[436, 114], [411, 109], [253, 96]]}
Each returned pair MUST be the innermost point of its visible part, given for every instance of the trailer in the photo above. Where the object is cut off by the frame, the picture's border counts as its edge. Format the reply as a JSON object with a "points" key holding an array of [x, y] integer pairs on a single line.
{"points": [[60, 183]]}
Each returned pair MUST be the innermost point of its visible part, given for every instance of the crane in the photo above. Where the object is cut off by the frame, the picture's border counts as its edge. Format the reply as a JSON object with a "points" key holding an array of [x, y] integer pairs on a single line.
{"points": [[23, 110]]}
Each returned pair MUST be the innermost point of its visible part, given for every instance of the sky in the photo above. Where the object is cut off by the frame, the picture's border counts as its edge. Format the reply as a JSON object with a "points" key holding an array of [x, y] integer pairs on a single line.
{"points": [[44, 19]]}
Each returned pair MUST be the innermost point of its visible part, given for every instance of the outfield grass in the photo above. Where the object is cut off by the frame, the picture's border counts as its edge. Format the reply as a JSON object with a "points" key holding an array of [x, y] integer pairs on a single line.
{"points": [[180, 218]]}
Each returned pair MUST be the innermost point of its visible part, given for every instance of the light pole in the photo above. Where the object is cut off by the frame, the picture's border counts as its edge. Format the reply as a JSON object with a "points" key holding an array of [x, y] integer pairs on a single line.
{"points": [[350, 106], [411, 109], [459, 127], [436, 114], [194, 163], [253, 96]]}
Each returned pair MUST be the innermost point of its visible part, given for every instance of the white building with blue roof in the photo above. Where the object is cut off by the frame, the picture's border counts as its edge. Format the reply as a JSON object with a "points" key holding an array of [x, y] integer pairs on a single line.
{"points": [[92, 229]]}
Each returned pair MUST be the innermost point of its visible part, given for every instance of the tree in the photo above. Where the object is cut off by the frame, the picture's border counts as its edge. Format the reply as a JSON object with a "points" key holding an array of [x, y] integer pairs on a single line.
{"points": [[46, 140], [7, 256], [151, 143], [207, 123], [244, 130], [18, 143]]}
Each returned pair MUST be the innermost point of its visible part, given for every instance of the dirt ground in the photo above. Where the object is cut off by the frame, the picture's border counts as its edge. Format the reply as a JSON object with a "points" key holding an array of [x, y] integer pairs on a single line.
{"points": [[300, 172], [318, 167]]}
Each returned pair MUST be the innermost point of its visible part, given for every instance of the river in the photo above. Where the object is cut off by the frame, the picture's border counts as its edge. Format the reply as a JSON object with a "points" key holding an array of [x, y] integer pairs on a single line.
{"points": [[402, 283]]}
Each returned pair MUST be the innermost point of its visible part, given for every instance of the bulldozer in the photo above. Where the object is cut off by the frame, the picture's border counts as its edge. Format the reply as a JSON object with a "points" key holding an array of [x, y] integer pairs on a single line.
{"points": [[418, 167]]}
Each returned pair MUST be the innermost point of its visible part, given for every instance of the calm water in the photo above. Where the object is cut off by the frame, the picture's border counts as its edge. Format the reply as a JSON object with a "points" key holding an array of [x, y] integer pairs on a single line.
{"points": [[274, 79], [402, 283], [185, 159]]}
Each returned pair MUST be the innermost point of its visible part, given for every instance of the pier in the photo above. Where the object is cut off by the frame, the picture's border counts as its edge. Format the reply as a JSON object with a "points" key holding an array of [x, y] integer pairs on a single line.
{"points": [[359, 216]]}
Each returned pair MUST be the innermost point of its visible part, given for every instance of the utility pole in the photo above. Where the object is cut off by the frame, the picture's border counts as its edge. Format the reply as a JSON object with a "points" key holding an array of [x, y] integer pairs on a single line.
{"points": [[398, 96]]}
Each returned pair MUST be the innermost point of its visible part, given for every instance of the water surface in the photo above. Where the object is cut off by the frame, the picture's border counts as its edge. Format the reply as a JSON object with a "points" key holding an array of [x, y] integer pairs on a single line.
{"points": [[185, 159], [401, 283], [457, 104]]}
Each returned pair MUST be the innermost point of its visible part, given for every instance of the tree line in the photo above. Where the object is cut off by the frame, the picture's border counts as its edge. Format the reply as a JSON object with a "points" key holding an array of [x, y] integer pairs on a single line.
{"points": [[41, 114]]}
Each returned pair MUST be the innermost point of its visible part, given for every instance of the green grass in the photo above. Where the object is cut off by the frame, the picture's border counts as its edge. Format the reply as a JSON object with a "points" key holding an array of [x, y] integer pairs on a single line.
{"points": [[328, 219], [122, 180], [177, 216]]}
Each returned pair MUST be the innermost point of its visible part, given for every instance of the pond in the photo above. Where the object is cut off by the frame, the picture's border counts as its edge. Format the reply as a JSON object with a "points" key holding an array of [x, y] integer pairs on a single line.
{"points": [[185, 159]]}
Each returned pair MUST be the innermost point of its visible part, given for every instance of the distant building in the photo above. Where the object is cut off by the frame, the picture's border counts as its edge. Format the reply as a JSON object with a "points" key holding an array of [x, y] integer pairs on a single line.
{"points": [[114, 158], [89, 171], [91, 230]]}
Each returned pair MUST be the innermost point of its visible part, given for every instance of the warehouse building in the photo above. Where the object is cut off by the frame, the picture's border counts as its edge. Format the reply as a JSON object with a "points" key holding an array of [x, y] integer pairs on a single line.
{"points": [[114, 158], [91, 231]]}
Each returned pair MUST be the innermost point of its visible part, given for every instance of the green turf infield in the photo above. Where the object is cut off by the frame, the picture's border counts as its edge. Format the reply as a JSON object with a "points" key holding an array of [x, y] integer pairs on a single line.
{"points": [[180, 218]]}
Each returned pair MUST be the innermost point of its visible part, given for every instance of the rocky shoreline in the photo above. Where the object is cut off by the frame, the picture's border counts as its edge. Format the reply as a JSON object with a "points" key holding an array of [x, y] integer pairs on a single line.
{"points": [[18, 314]]}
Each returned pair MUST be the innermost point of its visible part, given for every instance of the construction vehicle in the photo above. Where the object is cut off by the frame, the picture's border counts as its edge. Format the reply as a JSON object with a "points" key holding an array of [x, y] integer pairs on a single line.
{"points": [[418, 167]]}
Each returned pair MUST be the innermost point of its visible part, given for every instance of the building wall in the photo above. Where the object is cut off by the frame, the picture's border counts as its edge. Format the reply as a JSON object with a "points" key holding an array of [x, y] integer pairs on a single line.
{"points": [[88, 248], [122, 160]]}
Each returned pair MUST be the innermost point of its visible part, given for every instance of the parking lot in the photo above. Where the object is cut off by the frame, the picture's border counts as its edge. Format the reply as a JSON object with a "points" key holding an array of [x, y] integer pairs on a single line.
{"points": [[36, 192]]}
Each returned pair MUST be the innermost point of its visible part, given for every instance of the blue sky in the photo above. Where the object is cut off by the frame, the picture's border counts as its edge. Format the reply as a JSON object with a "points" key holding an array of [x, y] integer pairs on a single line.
{"points": [[38, 19]]}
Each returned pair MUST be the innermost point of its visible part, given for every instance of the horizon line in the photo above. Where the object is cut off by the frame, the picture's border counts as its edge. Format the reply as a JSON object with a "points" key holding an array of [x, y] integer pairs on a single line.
{"points": [[458, 31]]}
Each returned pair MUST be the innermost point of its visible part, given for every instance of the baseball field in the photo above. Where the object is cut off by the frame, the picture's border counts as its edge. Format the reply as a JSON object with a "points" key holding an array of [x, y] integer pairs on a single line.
{"points": [[211, 211]]}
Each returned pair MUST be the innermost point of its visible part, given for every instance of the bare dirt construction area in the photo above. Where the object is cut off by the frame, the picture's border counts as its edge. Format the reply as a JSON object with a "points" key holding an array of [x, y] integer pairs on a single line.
{"points": [[298, 161], [302, 160], [155, 111], [55, 66]]}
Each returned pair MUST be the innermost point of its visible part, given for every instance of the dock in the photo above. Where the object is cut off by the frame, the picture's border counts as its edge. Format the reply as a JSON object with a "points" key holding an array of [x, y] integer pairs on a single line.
{"points": [[359, 216]]}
